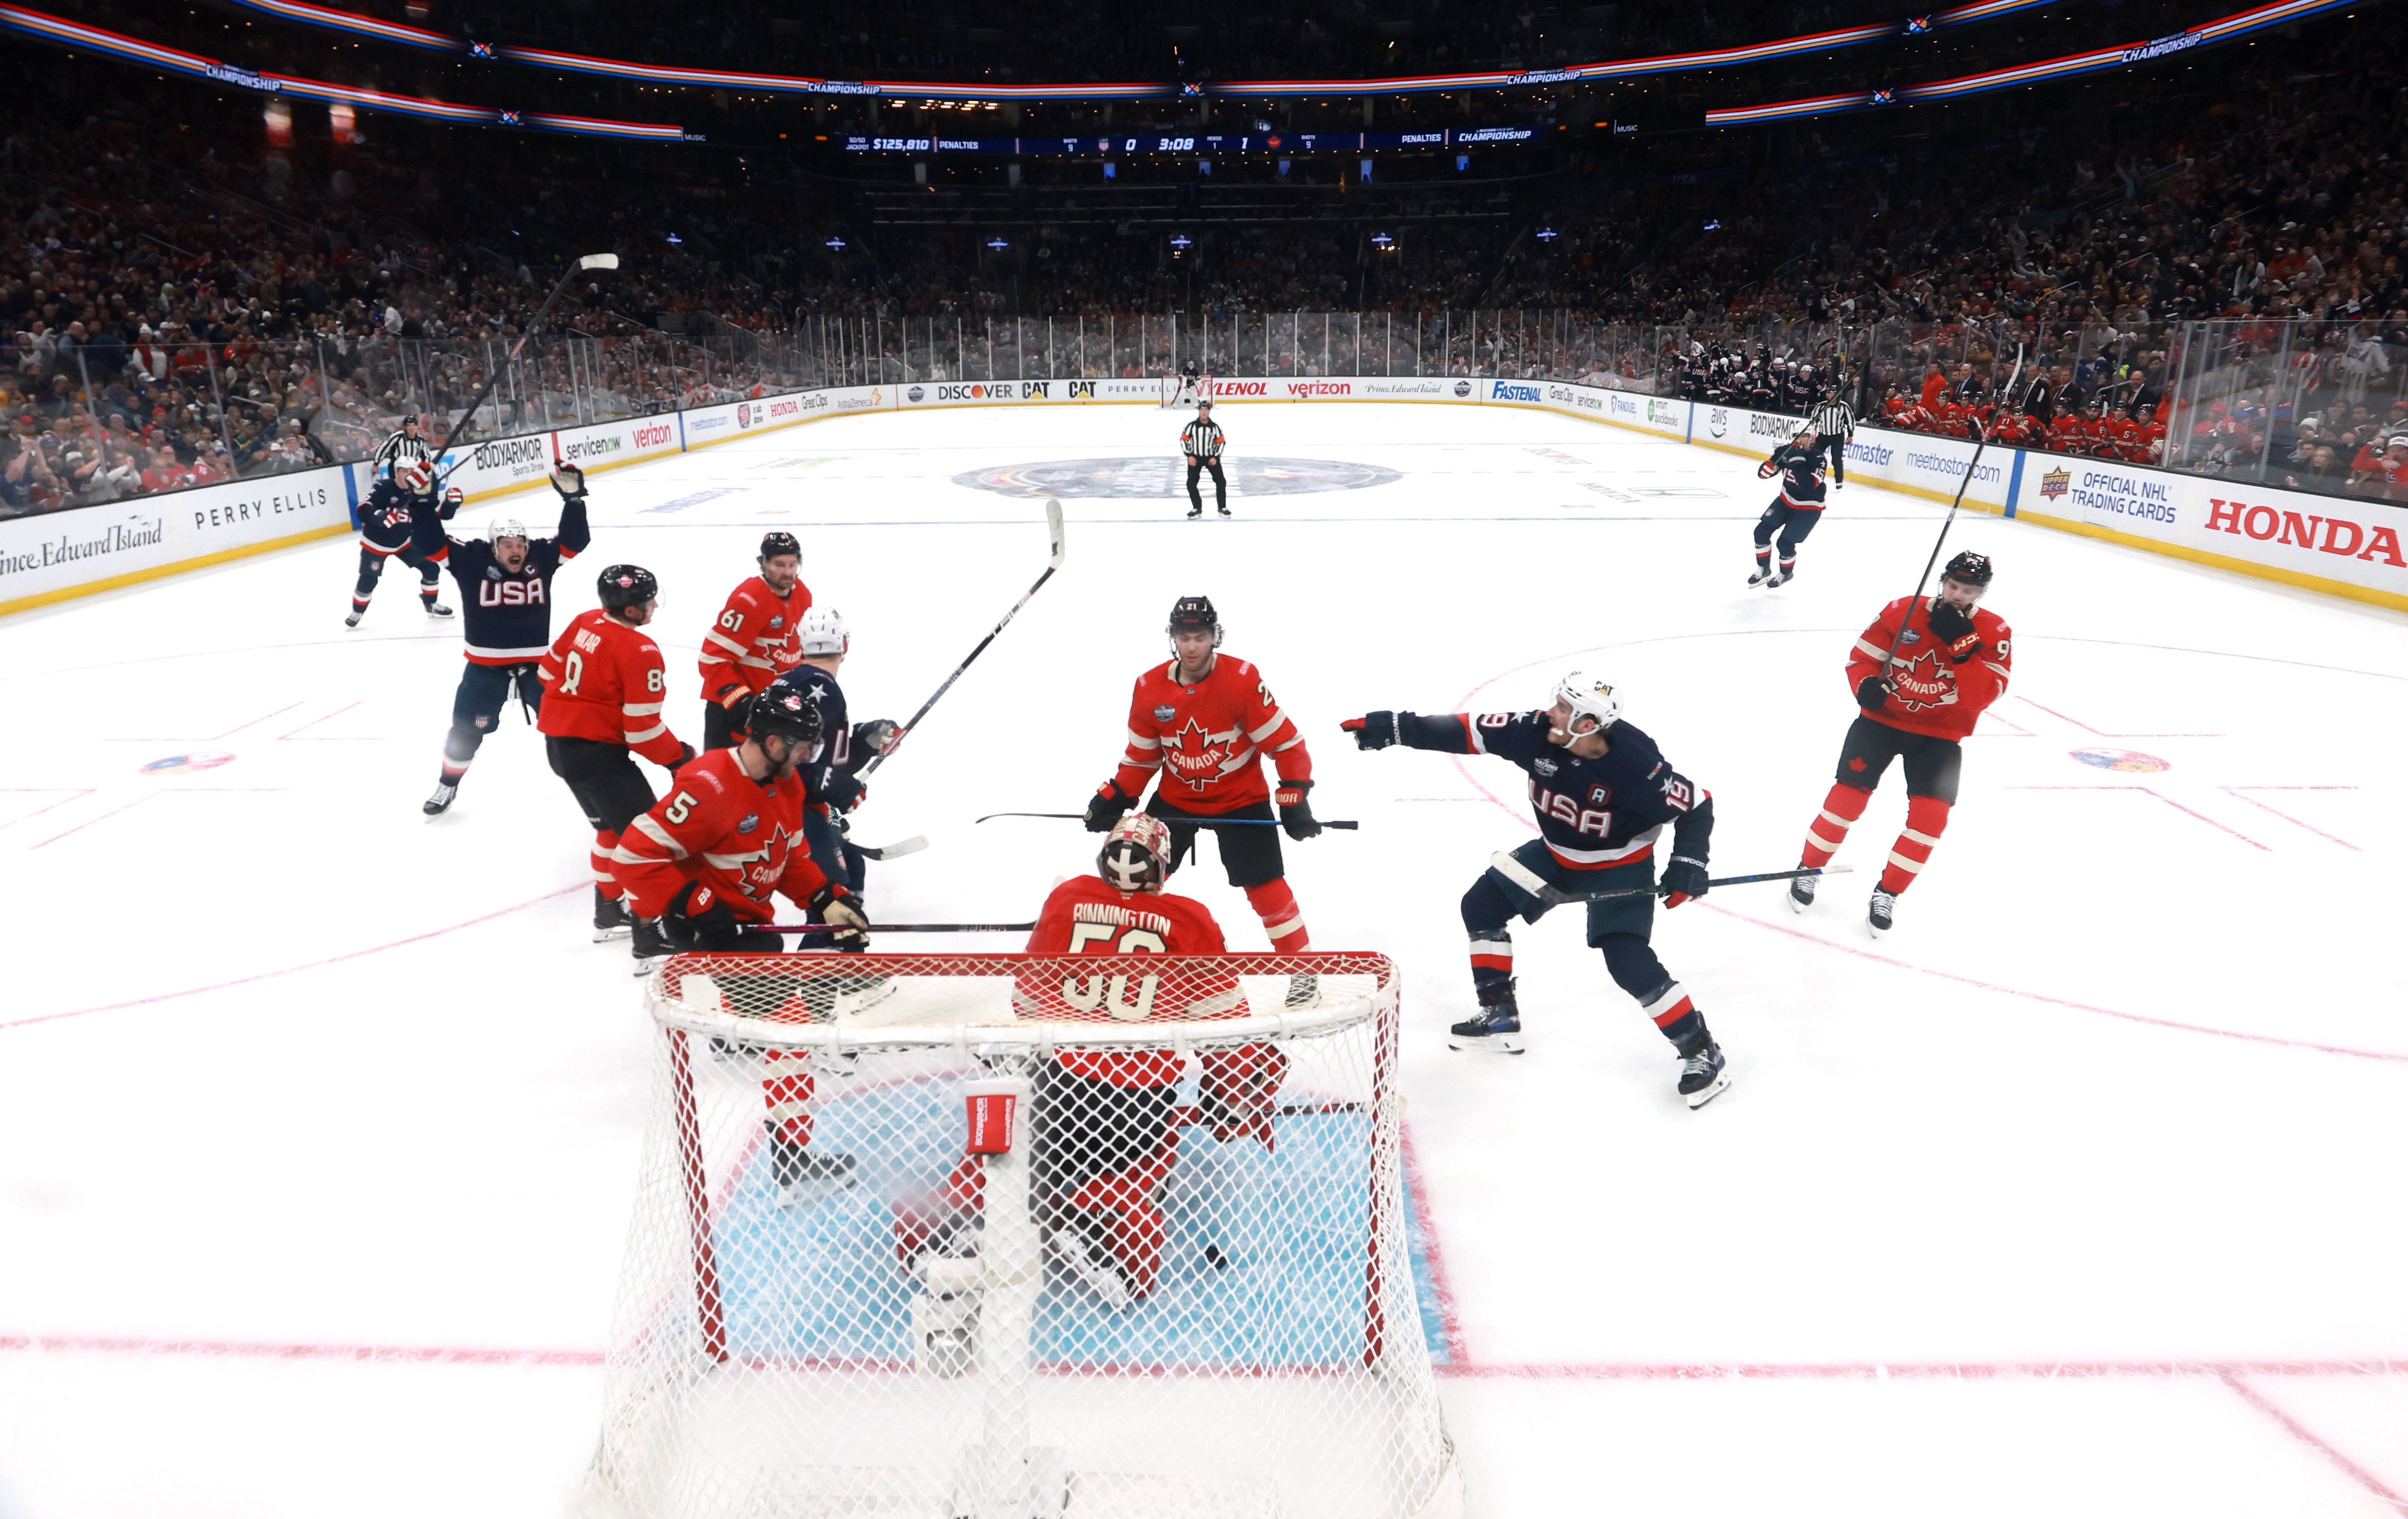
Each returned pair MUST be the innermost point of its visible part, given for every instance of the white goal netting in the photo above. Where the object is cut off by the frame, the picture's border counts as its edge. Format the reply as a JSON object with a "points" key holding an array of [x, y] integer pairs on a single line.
{"points": [[1003, 1236]]}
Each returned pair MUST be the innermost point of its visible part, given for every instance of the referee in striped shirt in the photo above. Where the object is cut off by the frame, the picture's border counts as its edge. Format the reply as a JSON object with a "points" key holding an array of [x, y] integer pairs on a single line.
{"points": [[1834, 424], [407, 445], [1201, 442]]}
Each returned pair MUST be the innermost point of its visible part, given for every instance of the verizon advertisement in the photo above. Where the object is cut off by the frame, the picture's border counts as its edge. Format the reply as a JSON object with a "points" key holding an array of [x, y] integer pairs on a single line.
{"points": [[89, 547], [608, 445]]}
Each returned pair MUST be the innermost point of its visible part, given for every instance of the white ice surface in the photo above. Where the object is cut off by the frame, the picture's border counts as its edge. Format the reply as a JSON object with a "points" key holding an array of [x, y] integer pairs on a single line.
{"points": [[287, 1070]]}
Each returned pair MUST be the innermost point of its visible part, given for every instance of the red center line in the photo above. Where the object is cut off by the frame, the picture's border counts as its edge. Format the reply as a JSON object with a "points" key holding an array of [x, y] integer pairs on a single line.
{"points": [[329, 717], [2234, 792], [2101, 733], [2307, 1437], [289, 971]]}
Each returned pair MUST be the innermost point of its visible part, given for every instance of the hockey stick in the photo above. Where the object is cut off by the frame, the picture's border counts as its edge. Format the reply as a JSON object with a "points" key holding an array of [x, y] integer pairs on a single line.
{"points": [[1197, 822], [1981, 441], [904, 927], [912, 845], [591, 261], [1053, 524], [1528, 881]]}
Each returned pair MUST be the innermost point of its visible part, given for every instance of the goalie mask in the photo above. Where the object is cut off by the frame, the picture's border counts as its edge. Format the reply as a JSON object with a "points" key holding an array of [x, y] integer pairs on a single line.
{"points": [[1594, 705], [1135, 856]]}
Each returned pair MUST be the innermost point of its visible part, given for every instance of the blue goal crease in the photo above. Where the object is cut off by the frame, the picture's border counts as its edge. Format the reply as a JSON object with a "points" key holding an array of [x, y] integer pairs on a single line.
{"points": [[821, 1281]]}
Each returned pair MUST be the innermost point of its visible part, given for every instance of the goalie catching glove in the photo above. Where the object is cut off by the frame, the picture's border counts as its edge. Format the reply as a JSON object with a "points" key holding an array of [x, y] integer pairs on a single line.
{"points": [[1238, 1091]]}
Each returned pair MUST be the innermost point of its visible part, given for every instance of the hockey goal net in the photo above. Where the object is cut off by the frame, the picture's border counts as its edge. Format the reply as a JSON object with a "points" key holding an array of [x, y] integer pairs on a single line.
{"points": [[1181, 390], [1009, 1236]]}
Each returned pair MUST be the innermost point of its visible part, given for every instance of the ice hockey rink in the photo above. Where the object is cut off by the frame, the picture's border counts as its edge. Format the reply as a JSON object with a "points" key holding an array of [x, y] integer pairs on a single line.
{"points": [[2080, 1194]]}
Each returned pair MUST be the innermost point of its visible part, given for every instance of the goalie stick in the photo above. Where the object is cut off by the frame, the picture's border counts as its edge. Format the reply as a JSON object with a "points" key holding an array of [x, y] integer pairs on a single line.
{"points": [[591, 261], [1054, 526], [1200, 823], [1529, 880], [1981, 441]]}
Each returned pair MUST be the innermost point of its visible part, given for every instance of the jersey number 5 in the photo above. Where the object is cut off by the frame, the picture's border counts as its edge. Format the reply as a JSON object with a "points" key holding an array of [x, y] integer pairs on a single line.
{"points": [[680, 807]]}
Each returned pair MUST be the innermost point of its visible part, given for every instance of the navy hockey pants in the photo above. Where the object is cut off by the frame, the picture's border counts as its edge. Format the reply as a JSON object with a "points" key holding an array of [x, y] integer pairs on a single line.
{"points": [[476, 710], [1792, 522], [1618, 928]]}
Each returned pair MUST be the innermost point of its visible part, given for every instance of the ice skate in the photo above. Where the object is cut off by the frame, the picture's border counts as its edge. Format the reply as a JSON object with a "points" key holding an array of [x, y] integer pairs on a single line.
{"points": [[1703, 1074], [444, 790], [1495, 1028], [648, 944], [1762, 576], [610, 918], [1881, 913], [1802, 894], [354, 620], [436, 608]]}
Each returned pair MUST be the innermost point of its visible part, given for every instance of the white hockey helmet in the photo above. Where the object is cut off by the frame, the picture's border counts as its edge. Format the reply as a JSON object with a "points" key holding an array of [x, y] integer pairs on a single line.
{"points": [[505, 527], [1594, 705], [822, 631], [1135, 856], [415, 475]]}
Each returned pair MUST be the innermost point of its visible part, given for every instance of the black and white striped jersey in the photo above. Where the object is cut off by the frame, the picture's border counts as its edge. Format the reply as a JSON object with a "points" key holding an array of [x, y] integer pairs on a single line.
{"points": [[400, 449], [1834, 419], [1200, 438]]}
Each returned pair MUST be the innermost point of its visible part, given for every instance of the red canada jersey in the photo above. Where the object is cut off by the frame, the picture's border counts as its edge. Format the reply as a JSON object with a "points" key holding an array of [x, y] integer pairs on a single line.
{"points": [[602, 679], [753, 641], [1089, 915], [721, 829], [1939, 693], [1207, 739]]}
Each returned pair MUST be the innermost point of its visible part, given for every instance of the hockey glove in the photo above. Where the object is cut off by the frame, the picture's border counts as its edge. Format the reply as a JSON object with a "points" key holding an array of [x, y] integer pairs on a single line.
{"points": [[1769, 468], [1373, 730], [1295, 813], [1873, 691], [1684, 880], [851, 934], [685, 756], [706, 918], [1949, 621], [1106, 810], [873, 737], [1239, 1090], [569, 480], [842, 791]]}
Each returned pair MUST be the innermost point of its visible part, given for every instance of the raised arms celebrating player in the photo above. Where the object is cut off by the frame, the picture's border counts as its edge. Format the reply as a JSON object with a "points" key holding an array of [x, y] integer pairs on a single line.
{"points": [[1205, 721], [1201, 442], [386, 524], [1952, 660], [753, 643], [505, 587], [605, 686], [1603, 794], [1794, 513]]}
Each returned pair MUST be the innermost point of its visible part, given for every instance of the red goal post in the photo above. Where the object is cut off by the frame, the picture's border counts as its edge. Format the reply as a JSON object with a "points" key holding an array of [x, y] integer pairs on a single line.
{"points": [[1011, 1234]]}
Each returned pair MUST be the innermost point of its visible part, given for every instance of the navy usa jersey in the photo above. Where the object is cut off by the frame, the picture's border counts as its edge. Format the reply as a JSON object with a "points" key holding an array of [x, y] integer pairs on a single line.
{"points": [[1801, 473], [1593, 813], [828, 777], [388, 515], [507, 614]]}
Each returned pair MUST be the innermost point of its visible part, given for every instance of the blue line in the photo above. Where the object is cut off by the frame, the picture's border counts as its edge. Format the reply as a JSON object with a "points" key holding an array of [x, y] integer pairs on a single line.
{"points": [[2016, 482]]}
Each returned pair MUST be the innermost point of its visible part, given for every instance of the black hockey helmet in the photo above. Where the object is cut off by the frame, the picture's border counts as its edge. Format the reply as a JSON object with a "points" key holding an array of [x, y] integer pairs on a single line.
{"points": [[1195, 614], [778, 543], [782, 710], [1968, 568], [626, 585]]}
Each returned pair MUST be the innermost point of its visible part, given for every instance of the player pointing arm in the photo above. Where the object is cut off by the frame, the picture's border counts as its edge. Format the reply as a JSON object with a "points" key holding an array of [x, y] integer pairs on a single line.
{"points": [[1603, 794]]}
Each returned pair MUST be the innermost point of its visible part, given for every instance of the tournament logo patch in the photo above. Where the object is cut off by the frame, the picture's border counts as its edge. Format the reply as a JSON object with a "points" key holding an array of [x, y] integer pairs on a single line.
{"points": [[751, 821], [1162, 477], [1462, 389], [202, 759], [493, 572], [778, 621], [1164, 714], [1911, 635], [1544, 767], [915, 394], [2127, 760], [2056, 483]]}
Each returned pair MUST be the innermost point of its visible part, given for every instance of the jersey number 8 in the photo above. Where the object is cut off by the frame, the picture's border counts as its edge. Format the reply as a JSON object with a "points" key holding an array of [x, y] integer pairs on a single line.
{"points": [[572, 672]]}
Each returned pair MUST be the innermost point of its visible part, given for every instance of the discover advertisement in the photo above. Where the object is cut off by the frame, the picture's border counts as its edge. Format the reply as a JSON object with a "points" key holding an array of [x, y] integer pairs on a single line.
{"points": [[59, 554]]}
